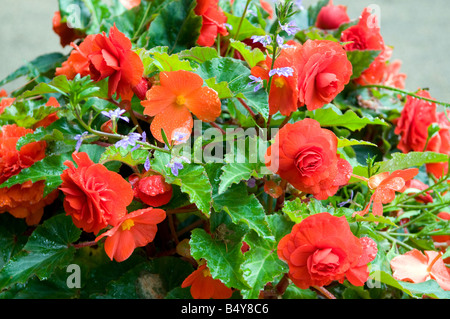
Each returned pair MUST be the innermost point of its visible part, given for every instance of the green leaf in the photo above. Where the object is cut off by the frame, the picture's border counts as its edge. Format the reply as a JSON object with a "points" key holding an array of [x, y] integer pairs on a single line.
{"points": [[176, 26], [343, 142], [59, 84], [243, 163], [199, 54], [409, 160], [236, 74], [192, 179], [243, 208], [85, 15], [361, 60], [223, 255], [375, 219], [261, 263], [12, 237], [47, 249], [251, 56], [329, 116], [134, 158], [25, 113], [48, 169], [247, 28]]}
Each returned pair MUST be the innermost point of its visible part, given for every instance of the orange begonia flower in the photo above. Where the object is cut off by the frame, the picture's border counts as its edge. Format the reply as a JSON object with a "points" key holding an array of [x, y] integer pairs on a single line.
{"points": [[113, 58], [95, 197], [135, 229], [385, 185], [204, 286], [283, 94], [414, 266], [21, 200], [213, 20], [78, 61], [171, 103], [26, 201]]}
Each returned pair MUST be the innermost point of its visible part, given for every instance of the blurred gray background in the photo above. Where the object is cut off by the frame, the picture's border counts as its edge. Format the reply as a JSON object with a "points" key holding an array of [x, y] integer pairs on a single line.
{"points": [[419, 31]]}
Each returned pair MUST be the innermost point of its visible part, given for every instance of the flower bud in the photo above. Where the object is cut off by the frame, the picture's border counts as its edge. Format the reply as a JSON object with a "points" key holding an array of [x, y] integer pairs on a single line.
{"points": [[331, 17]]}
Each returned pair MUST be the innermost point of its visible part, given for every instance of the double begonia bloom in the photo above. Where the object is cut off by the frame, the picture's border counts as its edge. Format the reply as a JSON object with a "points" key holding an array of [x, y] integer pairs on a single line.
{"points": [[412, 126], [13, 161], [136, 229], [172, 101], [283, 95], [305, 155], [331, 16], [204, 286], [322, 249], [78, 60], [113, 58], [95, 197], [151, 189], [415, 266], [323, 71], [386, 185], [213, 20], [24, 200]]}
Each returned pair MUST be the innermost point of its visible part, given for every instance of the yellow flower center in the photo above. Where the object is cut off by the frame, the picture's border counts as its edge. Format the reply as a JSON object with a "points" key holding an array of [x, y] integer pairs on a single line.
{"points": [[180, 100], [127, 224], [279, 82], [206, 272]]}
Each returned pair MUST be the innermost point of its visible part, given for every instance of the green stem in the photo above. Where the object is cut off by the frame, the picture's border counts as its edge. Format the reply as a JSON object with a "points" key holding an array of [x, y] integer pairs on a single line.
{"points": [[385, 235], [239, 26], [404, 92]]}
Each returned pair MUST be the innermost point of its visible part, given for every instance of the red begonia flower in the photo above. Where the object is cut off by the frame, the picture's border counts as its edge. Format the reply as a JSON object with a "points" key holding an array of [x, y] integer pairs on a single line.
{"points": [[332, 16], [420, 186], [171, 103], [78, 61], [413, 123], [112, 58], [414, 266], [213, 21], [24, 200], [323, 71], [133, 230], [204, 286], [94, 196], [13, 161], [283, 94], [151, 189], [305, 155], [321, 249]]}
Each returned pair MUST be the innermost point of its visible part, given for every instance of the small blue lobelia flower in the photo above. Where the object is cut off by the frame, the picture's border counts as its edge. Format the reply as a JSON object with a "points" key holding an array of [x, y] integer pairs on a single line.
{"points": [[286, 72], [265, 40], [280, 42], [290, 28], [117, 113], [174, 167], [147, 164], [79, 138], [130, 139], [255, 80]]}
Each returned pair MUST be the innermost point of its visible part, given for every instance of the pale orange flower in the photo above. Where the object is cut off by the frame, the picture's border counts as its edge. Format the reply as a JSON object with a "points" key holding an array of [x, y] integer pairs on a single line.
{"points": [[172, 101]]}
